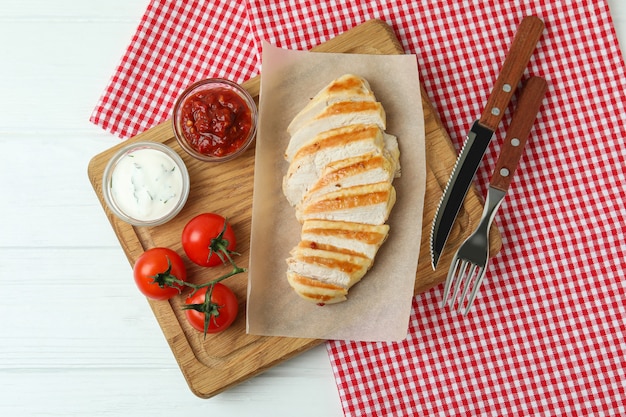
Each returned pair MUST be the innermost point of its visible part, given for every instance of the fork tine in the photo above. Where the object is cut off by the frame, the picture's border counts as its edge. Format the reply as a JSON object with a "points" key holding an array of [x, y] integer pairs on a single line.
{"points": [[479, 281], [469, 279], [460, 278], [449, 281]]}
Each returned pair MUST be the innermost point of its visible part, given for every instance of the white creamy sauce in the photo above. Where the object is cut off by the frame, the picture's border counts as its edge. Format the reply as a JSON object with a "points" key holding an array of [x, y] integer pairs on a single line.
{"points": [[146, 184]]}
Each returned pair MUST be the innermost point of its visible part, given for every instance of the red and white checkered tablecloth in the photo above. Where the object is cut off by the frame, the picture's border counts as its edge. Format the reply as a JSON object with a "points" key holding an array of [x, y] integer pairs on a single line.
{"points": [[546, 335], [176, 43]]}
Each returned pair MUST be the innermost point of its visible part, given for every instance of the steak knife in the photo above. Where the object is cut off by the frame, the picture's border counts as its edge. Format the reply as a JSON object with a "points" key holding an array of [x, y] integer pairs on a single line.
{"points": [[481, 132]]}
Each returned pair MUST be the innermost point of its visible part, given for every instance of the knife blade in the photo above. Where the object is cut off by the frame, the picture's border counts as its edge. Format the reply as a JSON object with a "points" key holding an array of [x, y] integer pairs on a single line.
{"points": [[524, 43]]}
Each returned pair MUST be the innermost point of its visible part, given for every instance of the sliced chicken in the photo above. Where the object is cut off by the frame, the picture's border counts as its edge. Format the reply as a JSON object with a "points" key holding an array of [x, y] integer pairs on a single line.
{"points": [[347, 237], [342, 165], [328, 147], [348, 87], [368, 204], [369, 168], [316, 291], [336, 115], [332, 257], [392, 150], [330, 267]]}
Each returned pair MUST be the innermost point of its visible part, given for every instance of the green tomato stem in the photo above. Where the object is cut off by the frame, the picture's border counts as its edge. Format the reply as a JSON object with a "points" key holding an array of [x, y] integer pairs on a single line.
{"points": [[219, 246]]}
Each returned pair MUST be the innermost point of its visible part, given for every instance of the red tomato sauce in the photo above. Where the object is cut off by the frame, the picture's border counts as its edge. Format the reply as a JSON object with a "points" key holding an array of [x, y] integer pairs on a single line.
{"points": [[215, 122]]}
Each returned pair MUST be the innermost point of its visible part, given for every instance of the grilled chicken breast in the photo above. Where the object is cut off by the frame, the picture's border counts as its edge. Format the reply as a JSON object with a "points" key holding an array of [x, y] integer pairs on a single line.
{"points": [[392, 150], [340, 114], [316, 291], [328, 147], [349, 237], [328, 266], [369, 168], [342, 165], [348, 87], [368, 204], [331, 257]]}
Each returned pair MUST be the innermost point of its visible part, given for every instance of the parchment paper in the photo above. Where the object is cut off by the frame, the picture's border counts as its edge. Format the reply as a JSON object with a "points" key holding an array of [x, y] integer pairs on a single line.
{"points": [[378, 307]]}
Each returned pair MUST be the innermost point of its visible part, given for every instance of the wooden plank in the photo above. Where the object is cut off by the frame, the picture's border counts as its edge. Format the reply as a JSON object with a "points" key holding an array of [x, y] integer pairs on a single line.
{"points": [[213, 364]]}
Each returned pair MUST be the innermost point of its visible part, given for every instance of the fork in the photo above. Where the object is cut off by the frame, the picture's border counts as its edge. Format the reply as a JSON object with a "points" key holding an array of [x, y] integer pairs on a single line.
{"points": [[469, 264]]}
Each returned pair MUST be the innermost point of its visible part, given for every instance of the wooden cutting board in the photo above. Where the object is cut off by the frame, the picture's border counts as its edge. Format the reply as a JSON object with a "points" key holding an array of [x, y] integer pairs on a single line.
{"points": [[213, 364]]}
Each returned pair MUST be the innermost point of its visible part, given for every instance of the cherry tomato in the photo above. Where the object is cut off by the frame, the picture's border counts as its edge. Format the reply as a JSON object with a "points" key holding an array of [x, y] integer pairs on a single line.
{"points": [[207, 238], [156, 272], [213, 317]]}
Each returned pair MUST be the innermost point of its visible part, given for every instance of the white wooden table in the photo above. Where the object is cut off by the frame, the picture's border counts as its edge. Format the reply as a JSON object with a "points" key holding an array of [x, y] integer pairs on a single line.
{"points": [[76, 337]]}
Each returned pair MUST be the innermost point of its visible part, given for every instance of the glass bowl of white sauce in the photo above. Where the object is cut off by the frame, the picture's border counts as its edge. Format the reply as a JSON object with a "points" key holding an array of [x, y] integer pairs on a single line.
{"points": [[145, 184]]}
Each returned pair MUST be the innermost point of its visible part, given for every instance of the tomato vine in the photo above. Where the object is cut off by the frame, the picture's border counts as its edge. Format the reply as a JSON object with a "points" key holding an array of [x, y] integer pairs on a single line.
{"points": [[218, 246]]}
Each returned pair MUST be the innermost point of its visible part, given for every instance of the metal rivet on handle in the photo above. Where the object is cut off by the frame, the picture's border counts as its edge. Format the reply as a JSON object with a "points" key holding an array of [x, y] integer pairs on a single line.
{"points": [[506, 88], [495, 111], [515, 142], [504, 172]]}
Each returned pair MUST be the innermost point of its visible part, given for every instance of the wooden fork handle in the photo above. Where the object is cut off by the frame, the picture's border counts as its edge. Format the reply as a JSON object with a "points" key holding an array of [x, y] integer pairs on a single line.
{"points": [[517, 133]]}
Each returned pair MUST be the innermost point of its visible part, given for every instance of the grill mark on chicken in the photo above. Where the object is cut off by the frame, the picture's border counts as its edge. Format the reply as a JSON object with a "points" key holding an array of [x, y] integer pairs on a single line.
{"points": [[349, 201], [345, 107], [371, 238], [347, 83], [315, 283], [338, 137], [330, 248], [337, 175], [343, 266]]}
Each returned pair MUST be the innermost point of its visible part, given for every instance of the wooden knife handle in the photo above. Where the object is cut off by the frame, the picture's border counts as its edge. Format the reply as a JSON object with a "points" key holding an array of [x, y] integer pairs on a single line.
{"points": [[515, 63], [517, 133]]}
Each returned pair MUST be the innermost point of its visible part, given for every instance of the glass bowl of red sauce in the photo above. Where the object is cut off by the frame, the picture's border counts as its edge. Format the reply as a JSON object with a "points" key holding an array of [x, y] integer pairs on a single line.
{"points": [[215, 120]]}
